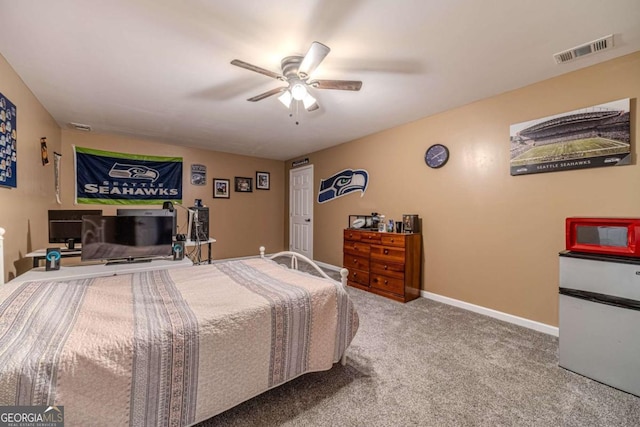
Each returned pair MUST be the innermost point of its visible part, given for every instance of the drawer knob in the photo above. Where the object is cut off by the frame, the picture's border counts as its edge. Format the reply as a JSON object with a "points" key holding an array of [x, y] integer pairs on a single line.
{"points": [[375, 280], [386, 267], [355, 261], [392, 240], [355, 248], [350, 234], [386, 282], [386, 251], [355, 274]]}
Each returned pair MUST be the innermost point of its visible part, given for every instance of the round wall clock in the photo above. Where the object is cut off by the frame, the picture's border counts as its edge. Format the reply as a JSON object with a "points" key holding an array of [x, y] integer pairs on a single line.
{"points": [[436, 156]]}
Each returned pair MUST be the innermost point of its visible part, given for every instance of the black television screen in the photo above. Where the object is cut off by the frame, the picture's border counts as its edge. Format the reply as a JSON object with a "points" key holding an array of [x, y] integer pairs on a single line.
{"points": [[126, 237], [65, 226], [151, 212]]}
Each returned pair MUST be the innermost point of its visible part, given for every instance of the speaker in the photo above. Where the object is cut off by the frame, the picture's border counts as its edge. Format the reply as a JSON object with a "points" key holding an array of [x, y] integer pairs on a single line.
{"points": [[52, 260], [411, 223], [178, 250], [201, 224]]}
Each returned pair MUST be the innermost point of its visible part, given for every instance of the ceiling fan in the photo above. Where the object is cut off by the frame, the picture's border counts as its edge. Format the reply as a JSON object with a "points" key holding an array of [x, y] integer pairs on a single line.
{"points": [[296, 71]]}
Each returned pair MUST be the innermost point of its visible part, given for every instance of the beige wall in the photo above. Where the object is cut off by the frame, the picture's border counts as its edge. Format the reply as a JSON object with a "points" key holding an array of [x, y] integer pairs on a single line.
{"points": [[489, 238], [23, 210]]}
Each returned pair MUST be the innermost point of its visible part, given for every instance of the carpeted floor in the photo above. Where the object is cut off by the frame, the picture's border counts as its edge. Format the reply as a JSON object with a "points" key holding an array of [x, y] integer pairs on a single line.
{"points": [[429, 364]]}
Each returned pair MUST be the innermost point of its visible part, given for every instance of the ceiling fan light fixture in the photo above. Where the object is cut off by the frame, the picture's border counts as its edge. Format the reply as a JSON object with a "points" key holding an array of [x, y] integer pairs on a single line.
{"points": [[286, 98], [299, 92], [308, 101]]}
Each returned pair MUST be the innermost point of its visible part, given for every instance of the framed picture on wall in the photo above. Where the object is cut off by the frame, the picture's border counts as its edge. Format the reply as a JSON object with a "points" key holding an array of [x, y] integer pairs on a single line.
{"points": [[595, 136], [263, 181], [244, 184], [198, 174], [221, 188]]}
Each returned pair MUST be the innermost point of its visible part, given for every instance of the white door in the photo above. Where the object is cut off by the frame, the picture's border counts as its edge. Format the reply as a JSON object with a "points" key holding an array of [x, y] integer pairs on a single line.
{"points": [[301, 211]]}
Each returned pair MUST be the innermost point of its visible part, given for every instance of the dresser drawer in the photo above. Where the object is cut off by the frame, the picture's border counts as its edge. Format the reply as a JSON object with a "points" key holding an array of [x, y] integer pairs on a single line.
{"points": [[392, 239], [356, 248], [388, 284], [370, 237], [388, 253], [355, 262], [388, 269], [359, 276], [351, 235]]}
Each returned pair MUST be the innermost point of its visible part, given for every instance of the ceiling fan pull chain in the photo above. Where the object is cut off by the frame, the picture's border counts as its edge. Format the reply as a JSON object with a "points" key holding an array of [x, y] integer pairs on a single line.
{"points": [[295, 112]]}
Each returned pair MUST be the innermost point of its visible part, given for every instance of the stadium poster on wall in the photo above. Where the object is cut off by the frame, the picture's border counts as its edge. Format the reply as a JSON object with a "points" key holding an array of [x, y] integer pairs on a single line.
{"points": [[8, 144], [586, 138], [198, 174]]}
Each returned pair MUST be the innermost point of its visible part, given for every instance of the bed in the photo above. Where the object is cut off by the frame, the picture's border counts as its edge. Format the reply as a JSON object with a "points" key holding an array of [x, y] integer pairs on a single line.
{"points": [[168, 347]]}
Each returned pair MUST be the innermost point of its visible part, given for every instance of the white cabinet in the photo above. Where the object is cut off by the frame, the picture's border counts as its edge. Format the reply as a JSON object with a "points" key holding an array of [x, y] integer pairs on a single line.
{"points": [[600, 319]]}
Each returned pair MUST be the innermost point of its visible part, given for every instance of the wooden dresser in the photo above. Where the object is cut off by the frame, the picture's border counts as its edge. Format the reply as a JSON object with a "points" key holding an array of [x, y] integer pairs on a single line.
{"points": [[387, 264]]}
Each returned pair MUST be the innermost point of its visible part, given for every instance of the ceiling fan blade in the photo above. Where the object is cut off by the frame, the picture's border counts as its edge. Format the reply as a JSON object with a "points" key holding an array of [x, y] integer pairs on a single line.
{"points": [[257, 69], [336, 84], [316, 53], [267, 94]]}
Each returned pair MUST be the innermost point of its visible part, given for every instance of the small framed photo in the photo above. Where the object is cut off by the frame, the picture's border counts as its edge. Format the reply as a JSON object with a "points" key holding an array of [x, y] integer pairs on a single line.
{"points": [[263, 181], [220, 188], [244, 184]]}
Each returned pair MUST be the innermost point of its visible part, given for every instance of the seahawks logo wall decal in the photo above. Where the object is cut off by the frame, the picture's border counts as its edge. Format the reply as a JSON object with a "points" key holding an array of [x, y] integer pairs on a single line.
{"points": [[343, 183], [121, 170]]}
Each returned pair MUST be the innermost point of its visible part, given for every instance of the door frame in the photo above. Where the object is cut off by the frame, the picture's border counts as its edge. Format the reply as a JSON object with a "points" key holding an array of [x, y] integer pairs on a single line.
{"points": [[311, 210]]}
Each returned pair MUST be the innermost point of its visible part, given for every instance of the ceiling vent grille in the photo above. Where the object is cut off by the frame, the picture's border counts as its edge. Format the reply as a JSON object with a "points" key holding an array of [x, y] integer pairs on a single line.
{"points": [[605, 43], [80, 126]]}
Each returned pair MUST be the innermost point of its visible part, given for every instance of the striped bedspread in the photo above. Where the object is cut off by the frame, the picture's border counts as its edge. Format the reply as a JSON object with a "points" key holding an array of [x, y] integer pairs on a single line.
{"points": [[167, 347]]}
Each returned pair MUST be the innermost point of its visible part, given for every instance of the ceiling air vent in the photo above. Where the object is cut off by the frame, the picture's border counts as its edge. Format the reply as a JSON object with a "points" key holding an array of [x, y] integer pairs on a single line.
{"points": [[595, 46], [80, 126]]}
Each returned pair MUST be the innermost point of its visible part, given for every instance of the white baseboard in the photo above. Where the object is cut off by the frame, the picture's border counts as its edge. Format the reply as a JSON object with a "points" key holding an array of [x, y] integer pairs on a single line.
{"points": [[520, 321], [510, 318]]}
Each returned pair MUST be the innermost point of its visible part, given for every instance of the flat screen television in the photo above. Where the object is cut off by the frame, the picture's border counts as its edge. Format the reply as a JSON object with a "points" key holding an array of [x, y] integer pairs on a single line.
{"points": [[65, 226], [152, 212], [126, 238]]}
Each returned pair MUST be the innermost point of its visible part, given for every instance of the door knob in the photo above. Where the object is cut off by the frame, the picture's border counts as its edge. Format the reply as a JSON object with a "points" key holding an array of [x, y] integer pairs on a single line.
{"points": [[307, 220]]}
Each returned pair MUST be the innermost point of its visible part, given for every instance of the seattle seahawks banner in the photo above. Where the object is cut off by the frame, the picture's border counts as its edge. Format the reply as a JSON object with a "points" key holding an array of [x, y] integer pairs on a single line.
{"points": [[343, 183], [110, 178]]}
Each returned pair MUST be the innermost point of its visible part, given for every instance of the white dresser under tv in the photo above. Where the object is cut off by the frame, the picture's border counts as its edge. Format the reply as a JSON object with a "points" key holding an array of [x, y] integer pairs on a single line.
{"points": [[95, 270]]}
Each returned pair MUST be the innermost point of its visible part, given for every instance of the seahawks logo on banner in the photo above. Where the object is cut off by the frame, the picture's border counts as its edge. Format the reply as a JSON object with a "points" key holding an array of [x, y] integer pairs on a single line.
{"points": [[107, 177], [343, 183]]}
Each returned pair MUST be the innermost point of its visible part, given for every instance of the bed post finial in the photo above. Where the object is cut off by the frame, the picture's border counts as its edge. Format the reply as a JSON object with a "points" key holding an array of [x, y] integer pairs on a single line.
{"points": [[262, 249], [344, 273], [1, 256]]}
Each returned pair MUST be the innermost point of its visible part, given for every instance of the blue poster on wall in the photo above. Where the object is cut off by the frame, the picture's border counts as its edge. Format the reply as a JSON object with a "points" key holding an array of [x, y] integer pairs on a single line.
{"points": [[110, 178], [8, 144]]}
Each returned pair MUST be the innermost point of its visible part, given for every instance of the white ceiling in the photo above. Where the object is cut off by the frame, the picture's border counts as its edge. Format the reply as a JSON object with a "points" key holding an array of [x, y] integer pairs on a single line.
{"points": [[160, 69]]}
